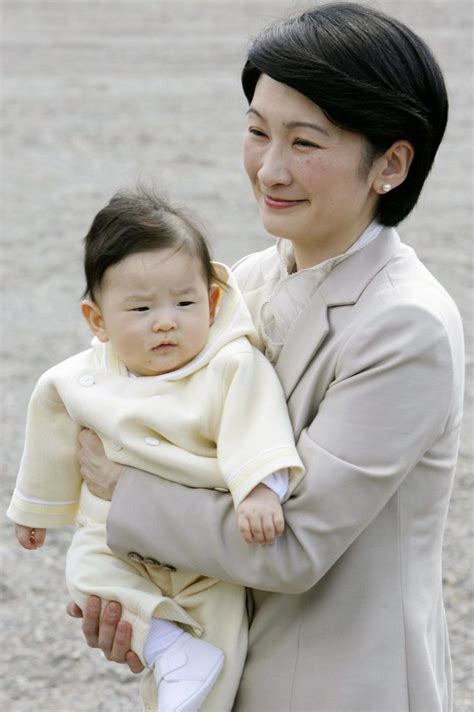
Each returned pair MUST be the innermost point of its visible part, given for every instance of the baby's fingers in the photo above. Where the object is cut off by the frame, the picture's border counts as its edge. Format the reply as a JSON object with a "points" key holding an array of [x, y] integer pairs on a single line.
{"points": [[38, 535], [257, 528], [269, 529], [30, 538], [245, 529], [279, 523]]}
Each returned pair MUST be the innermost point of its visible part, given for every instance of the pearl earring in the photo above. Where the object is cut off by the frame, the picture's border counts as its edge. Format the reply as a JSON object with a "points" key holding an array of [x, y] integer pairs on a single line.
{"points": [[386, 187]]}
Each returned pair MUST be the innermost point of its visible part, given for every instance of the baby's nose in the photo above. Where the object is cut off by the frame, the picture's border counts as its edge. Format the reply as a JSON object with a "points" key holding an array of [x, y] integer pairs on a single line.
{"points": [[163, 324]]}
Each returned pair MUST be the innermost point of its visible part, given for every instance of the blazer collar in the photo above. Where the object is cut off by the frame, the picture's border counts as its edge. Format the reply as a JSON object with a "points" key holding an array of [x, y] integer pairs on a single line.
{"points": [[346, 282], [343, 286]]}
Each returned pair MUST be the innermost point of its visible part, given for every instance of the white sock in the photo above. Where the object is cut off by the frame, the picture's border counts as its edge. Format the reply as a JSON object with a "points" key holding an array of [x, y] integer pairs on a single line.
{"points": [[161, 636]]}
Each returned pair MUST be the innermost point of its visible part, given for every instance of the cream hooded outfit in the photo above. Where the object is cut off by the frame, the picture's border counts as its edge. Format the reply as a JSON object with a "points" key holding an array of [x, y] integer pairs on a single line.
{"points": [[218, 422]]}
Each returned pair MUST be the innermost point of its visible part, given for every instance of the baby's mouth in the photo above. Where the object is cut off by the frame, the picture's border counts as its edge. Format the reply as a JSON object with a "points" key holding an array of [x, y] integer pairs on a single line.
{"points": [[164, 346]]}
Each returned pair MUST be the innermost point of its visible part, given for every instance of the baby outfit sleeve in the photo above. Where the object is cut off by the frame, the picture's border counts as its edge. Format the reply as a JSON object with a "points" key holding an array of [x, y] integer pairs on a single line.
{"points": [[49, 480], [255, 437]]}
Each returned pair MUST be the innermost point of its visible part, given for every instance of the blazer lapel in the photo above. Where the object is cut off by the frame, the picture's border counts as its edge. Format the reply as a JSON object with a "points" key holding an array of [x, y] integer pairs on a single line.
{"points": [[304, 339], [343, 286]]}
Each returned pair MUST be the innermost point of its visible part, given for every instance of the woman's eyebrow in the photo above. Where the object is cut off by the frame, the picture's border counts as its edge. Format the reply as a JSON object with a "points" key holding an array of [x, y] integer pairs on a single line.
{"points": [[293, 124], [251, 110], [307, 125]]}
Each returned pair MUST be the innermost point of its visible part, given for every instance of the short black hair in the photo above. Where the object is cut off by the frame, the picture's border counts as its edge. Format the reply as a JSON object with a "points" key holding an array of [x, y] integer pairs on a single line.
{"points": [[140, 221], [370, 74]]}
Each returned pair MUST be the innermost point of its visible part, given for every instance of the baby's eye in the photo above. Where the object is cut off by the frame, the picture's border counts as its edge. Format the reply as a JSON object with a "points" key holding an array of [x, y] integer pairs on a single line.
{"points": [[185, 303], [140, 309]]}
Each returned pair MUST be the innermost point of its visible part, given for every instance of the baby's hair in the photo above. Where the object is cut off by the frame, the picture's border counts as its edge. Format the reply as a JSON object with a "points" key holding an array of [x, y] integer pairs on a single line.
{"points": [[140, 221]]}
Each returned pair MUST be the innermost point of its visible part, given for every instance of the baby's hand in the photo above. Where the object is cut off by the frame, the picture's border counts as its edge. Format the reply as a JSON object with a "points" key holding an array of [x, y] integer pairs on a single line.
{"points": [[260, 516], [29, 537]]}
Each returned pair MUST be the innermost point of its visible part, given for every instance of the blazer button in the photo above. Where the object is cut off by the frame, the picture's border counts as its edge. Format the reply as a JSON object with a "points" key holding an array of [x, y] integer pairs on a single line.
{"points": [[151, 562], [168, 567], [133, 556], [115, 446]]}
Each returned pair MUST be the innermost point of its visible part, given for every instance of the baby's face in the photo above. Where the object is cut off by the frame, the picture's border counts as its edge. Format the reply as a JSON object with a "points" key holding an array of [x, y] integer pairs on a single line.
{"points": [[156, 310]]}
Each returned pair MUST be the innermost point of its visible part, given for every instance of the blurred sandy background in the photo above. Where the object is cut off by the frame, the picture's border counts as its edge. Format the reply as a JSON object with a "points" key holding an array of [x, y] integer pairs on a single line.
{"points": [[95, 96]]}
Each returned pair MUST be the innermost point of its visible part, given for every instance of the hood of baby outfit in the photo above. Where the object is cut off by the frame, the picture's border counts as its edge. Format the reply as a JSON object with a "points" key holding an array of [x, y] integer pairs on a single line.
{"points": [[232, 321]]}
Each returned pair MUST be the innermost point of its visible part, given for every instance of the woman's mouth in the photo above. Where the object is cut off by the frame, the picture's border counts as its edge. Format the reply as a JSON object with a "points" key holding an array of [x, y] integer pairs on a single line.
{"points": [[280, 203]]}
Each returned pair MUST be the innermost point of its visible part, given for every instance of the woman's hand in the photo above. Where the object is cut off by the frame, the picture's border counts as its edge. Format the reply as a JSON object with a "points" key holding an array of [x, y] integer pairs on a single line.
{"points": [[99, 473], [108, 633]]}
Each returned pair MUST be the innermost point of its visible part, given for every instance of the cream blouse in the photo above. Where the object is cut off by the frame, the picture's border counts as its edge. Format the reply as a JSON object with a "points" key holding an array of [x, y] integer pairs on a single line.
{"points": [[293, 290]]}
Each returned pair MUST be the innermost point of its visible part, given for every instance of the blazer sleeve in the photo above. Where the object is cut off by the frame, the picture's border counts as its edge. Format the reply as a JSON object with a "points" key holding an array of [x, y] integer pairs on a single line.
{"points": [[390, 400], [49, 480]]}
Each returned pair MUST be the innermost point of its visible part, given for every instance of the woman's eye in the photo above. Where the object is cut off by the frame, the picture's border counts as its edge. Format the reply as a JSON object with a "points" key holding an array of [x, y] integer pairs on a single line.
{"points": [[256, 132], [306, 144]]}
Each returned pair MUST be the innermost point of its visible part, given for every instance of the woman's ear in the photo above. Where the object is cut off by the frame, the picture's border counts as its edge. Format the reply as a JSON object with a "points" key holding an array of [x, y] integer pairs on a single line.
{"points": [[92, 314], [392, 168], [214, 297]]}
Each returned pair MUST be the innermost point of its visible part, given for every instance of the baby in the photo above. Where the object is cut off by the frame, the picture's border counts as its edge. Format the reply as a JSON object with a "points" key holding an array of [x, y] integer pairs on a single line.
{"points": [[172, 385]]}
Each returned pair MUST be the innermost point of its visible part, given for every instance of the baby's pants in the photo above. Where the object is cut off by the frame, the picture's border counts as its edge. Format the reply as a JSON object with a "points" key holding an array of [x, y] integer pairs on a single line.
{"points": [[202, 605]]}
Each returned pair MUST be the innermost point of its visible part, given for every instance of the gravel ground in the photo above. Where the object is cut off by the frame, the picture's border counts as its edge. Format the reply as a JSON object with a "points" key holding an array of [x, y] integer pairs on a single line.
{"points": [[97, 95]]}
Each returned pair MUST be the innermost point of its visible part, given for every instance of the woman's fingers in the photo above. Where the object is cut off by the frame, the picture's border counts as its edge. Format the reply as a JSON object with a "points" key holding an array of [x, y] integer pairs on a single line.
{"points": [[108, 628], [91, 622], [120, 651], [108, 632], [133, 662], [73, 610], [121, 643], [99, 473]]}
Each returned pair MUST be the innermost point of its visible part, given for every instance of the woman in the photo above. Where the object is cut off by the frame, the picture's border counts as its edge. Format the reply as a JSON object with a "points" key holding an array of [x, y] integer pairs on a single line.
{"points": [[347, 108]]}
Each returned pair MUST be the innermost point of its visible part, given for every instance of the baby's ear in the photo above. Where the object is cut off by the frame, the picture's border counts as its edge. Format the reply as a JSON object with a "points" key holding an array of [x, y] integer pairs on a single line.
{"points": [[214, 296], [92, 314]]}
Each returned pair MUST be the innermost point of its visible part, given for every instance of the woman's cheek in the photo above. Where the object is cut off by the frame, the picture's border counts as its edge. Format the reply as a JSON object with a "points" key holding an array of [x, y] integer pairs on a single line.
{"points": [[250, 153]]}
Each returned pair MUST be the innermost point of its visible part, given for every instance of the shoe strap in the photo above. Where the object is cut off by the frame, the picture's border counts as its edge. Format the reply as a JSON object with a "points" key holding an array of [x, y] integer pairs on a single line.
{"points": [[167, 664]]}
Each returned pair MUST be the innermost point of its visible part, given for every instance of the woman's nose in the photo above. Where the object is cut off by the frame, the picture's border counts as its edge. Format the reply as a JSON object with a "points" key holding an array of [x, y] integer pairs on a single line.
{"points": [[274, 169]]}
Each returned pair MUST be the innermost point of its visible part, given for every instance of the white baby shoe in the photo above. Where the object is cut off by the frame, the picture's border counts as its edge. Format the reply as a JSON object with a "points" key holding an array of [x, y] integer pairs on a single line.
{"points": [[186, 673]]}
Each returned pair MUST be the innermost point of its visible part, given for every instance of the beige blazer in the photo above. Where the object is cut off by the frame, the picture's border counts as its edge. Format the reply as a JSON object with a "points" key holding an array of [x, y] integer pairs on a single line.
{"points": [[347, 606]]}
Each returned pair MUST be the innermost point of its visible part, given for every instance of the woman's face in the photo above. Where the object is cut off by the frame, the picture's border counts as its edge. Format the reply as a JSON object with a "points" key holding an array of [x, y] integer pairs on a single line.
{"points": [[307, 174]]}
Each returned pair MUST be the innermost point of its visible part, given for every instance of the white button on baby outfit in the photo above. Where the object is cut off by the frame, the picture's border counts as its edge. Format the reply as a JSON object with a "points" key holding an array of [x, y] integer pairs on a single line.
{"points": [[87, 380], [115, 446], [152, 441]]}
